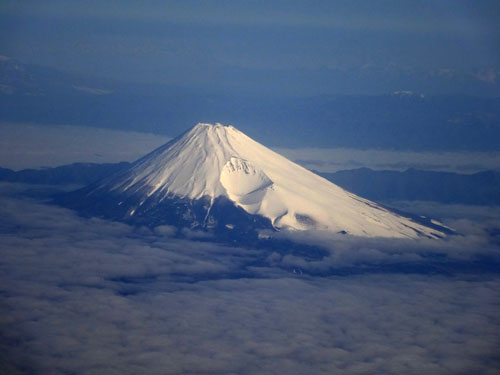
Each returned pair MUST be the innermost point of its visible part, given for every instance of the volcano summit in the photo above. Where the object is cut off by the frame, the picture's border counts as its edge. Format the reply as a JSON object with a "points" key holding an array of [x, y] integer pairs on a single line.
{"points": [[215, 178]]}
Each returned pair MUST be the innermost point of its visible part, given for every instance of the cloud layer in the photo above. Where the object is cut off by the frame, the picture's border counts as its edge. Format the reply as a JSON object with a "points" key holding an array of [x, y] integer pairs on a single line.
{"points": [[335, 159], [86, 296], [35, 146]]}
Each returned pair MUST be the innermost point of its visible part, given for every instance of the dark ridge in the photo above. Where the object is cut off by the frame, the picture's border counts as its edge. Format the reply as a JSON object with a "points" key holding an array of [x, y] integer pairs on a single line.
{"points": [[221, 217], [77, 173]]}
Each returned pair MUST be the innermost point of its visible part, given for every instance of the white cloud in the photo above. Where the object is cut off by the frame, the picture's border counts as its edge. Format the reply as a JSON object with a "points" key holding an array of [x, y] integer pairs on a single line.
{"points": [[86, 296], [166, 230]]}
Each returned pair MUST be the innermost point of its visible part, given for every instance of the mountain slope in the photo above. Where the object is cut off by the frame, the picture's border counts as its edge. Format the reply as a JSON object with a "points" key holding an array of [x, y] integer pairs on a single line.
{"points": [[214, 176]]}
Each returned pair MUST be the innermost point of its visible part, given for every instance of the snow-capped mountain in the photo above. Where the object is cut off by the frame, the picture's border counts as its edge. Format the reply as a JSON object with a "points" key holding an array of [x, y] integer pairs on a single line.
{"points": [[216, 177]]}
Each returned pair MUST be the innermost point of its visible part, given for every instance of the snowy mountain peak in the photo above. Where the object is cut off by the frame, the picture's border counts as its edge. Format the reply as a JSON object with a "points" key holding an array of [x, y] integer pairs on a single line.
{"points": [[213, 162], [206, 125], [206, 128]]}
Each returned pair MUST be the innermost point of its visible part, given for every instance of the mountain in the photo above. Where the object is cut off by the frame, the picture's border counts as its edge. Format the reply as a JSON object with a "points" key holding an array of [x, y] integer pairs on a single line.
{"points": [[215, 178]]}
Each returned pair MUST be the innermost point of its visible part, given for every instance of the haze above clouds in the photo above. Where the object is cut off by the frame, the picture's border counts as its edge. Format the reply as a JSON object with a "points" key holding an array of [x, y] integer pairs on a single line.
{"points": [[34, 146]]}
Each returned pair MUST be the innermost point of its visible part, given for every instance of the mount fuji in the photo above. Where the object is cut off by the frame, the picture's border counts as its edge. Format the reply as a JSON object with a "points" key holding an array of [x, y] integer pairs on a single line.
{"points": [[217, 179]]}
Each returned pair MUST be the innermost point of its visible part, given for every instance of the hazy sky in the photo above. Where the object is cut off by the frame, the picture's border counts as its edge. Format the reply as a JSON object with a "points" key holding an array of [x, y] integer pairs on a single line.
{"points": [[201, 43], [268, 49]]}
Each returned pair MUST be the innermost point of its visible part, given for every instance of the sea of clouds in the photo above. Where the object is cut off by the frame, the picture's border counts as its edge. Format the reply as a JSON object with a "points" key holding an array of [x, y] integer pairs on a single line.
{"points": [[89, 296]]}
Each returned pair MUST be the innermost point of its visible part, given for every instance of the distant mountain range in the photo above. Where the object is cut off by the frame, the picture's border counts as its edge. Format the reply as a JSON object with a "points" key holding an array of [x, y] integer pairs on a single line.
{"points": [[71, 174], [400, 119], [481, 188]]}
